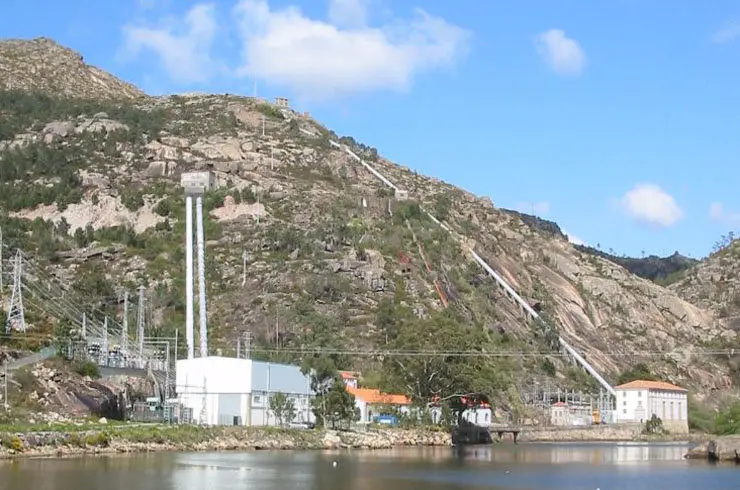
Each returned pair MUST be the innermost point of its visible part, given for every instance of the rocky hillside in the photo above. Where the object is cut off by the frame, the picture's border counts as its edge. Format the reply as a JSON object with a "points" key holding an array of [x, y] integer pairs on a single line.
{"points": [[662, 270], [713, 284], [334, 259], [42, 64]]}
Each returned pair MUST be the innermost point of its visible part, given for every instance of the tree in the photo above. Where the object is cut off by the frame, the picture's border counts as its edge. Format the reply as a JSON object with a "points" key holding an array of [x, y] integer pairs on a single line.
{"points": [[283, 408], [654, 426], [439, 374], [332, 403], [638, 371]]}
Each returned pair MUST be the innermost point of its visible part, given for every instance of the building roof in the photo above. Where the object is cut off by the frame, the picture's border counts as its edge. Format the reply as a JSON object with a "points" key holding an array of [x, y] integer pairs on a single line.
{"points": [[559, 404], [348, 375], [375, 396], [641, 384]]}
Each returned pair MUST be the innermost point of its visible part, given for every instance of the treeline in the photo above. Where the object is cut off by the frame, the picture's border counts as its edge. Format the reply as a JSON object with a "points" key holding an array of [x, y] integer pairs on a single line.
{"points": [[21, 111]]}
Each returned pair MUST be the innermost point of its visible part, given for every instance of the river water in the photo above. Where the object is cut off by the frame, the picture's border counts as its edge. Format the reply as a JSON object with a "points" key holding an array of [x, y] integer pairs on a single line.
{"points": [[625, 466]]}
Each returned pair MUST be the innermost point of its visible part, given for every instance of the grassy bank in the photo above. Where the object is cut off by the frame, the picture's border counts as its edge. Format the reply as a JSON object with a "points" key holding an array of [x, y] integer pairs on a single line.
{"points": [[125, 438]]}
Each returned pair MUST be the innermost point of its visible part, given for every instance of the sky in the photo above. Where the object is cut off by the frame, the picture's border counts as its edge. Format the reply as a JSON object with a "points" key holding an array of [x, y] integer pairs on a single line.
{"points": [[617, 119]]}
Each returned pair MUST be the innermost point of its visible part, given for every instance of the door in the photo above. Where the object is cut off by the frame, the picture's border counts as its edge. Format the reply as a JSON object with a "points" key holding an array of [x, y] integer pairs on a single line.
{"points": [[229, 409]]}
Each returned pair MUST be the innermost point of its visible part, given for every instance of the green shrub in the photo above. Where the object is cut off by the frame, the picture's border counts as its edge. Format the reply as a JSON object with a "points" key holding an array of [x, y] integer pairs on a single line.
{"points": [[87, 368]]}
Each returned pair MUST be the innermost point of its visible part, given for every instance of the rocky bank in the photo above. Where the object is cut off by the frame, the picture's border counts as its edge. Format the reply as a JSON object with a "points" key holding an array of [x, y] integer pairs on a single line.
{"points": [[154, 439], [726, 448]]}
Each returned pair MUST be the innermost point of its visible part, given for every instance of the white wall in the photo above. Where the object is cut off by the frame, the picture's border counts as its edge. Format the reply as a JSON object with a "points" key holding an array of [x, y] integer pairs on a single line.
{"points": [[204, 378], [255, 381], [639, 405]]}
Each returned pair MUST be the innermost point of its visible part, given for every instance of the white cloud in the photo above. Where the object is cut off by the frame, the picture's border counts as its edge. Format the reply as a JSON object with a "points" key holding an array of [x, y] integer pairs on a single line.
{"points": [[183, 46], [727, 34], [717, 212], [320, 59], [574, 239], [538, 208], [349, 13], [562, 53], [650, 204]]}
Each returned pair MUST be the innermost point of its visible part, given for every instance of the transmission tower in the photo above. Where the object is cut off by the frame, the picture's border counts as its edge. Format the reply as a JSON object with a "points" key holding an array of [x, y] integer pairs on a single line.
{"points": [[16, 319], [140, 325], [248, 344]]}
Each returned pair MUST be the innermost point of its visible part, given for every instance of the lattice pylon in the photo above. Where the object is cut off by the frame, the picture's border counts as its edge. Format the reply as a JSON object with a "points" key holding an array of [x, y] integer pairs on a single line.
{"points": [[16, 319]]}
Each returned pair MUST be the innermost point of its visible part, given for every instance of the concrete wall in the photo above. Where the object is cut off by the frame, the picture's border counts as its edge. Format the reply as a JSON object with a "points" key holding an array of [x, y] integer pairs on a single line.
{"points": [[624, 432]]}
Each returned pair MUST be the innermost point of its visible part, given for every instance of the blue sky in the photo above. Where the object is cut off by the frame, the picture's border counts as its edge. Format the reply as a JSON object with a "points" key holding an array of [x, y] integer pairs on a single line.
{"points": [[617, 119]]}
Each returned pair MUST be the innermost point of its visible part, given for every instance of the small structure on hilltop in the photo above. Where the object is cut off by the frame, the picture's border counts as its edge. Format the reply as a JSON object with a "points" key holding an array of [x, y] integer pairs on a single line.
{"points": [[639, 400], [233, 391], [282, 102]]}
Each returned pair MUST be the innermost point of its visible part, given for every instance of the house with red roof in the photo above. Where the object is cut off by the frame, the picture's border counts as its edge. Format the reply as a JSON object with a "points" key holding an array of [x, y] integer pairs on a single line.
{"points": [[477, 412], [372, 403], [639, 400]]}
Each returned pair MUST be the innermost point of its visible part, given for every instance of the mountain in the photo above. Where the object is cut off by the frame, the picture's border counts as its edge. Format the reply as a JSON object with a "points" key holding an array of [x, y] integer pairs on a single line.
{"points": [[308, 248], [42, 64], [662, 270], [713, 284]]}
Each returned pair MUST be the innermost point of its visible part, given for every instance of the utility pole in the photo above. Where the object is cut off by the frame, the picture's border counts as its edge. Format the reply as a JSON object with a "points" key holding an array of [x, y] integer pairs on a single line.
{"points": [[258, 207], [263, 125], [272, 158], [244, 268], [5, 385], [105, 341], [124, 327], [140, 325], [84, 325], [1, 258]]}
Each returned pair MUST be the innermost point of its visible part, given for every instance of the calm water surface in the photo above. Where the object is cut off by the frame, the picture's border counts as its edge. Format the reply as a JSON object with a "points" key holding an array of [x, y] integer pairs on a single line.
{"points": [[626, 466]]}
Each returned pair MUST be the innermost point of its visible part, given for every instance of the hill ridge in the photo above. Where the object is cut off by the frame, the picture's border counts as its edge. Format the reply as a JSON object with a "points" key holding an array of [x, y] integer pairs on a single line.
{"points": [[324, 257]]}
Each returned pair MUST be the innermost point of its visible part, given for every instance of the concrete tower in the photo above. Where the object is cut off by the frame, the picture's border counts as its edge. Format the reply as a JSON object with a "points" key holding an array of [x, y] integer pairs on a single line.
{"points": [[196, 184]]}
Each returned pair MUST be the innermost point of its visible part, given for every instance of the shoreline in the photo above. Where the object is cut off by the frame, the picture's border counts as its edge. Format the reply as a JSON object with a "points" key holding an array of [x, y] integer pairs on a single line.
{"points": [[158, 438], [130, 439]]}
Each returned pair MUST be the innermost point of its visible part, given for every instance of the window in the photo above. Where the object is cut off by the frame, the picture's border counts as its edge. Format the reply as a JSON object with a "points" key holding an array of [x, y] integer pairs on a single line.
{"points": [[680, 412], [487, 416], [624, 411], [639, 394], [624, 403], [257, 399]]}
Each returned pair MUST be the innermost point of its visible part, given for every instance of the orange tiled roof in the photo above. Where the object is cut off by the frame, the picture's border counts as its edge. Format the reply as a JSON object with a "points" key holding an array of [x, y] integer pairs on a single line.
{"points": [[375, 396], [347, 374], [640, 384]]}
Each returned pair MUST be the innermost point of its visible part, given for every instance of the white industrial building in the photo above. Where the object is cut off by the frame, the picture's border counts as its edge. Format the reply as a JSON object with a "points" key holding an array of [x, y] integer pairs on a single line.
{"points": [[231, 391], [638, 401]]}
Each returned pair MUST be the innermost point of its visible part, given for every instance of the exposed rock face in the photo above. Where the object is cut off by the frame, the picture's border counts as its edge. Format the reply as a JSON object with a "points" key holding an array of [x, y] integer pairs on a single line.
{"points": [[320, 229], [713, 284], [42, 64]]}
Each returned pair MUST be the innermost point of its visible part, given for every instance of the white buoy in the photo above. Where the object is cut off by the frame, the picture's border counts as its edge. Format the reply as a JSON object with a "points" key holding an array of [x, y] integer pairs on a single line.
{"points": [[334, 464]]}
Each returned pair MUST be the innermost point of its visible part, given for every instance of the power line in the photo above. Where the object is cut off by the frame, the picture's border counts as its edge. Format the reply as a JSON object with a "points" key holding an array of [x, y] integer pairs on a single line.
{"points": [[493, 354]]}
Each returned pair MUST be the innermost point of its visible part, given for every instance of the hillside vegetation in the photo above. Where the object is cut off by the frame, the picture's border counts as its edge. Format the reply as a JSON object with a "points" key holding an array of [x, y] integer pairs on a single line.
{"points": [[334, 260]]}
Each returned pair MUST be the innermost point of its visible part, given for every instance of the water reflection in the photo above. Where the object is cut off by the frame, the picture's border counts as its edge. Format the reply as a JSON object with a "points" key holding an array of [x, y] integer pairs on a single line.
{"points": [[629, 466], [592, 453]]}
